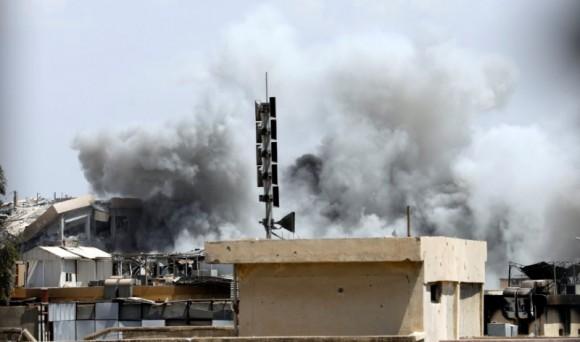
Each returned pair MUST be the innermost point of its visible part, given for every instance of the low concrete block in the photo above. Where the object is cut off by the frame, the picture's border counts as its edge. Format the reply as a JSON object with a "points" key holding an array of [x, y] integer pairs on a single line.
{"points": [[19, 316]]}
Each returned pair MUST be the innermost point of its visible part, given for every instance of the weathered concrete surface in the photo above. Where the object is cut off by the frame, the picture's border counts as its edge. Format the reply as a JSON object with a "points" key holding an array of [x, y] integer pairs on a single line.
{"points": [[19, 317], [287, 339], [165, 332], [355, 287], [347, 299], [53, 212], [470, 306], [16, 334], [450, 259], [305, 251], [446, 259], [516, 339]]}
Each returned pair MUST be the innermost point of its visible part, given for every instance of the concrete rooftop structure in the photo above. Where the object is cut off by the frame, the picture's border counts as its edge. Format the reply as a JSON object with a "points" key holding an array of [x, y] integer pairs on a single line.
{"points": [[427, 286]]}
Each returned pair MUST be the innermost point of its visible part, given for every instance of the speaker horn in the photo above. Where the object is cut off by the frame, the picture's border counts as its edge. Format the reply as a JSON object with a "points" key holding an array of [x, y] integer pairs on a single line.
{"points": [[287, 222]]}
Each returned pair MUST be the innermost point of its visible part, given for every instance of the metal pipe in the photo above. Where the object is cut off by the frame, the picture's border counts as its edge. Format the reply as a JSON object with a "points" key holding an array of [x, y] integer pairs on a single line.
{"points": [[62, 222], [408, 221], [555, 284]]}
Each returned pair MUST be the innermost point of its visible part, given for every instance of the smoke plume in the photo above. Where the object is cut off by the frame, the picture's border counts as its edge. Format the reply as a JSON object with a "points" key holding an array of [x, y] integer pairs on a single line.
{"points": [[188, 173], [369, 122]]}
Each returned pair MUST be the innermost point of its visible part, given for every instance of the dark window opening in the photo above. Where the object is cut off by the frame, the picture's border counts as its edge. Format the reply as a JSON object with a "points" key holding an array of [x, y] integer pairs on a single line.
{"points": [[102, 229], [121, 223], [435, 290], [68, 276]]}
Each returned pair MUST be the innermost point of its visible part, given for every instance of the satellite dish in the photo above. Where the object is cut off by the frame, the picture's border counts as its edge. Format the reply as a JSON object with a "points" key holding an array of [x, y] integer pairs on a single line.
{"points": [[287, 222]]}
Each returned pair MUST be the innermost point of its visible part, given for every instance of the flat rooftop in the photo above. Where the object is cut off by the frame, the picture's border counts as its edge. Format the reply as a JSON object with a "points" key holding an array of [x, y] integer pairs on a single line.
{"points": [[444, 258]]}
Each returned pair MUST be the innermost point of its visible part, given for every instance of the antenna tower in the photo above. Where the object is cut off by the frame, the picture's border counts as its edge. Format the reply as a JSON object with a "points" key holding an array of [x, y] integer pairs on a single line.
{"points": [[267, 164]]}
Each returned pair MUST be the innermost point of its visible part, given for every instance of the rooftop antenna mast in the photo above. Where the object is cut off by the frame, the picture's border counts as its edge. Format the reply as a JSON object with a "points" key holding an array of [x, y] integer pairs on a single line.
{"points": [[267, 164]]}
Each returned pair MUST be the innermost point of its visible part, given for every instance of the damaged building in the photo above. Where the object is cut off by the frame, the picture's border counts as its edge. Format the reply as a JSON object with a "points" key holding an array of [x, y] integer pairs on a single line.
{"points": [[78, 254], [84, 220], [541, 299]]}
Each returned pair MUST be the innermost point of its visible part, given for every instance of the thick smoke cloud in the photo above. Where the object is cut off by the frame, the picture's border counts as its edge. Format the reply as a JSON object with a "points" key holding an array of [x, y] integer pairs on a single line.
{"points": [[369, 122], [189, 175], [400, 123]]}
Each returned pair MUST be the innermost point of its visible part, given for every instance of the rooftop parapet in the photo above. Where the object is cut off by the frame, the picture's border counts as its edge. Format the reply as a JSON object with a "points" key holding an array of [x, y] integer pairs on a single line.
{"points": [[444, 259]]}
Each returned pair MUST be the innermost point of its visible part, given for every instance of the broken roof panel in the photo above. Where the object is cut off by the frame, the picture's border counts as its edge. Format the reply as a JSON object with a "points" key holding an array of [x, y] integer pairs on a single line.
{"points": [[88, 252], [60, 252], [72, 204], [53, 212], [544, 270]]}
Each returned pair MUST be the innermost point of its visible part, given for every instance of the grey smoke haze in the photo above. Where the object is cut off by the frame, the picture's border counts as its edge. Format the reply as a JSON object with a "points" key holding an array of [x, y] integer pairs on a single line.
{"points": [[481, 145], [188, 173]]}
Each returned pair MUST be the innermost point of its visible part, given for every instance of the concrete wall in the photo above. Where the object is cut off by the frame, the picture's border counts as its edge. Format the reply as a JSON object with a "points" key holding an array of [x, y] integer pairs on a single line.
{"points": [[342, 286], [445, 259], [553, 325], [46, 233], [19, 317], [470, 310], [449, 259], [575, 322], [330, 299], [440, 317]]}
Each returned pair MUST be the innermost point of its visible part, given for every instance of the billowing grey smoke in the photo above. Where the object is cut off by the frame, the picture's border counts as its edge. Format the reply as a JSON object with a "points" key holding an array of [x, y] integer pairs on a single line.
{"points": [[400, 123], [307, 169], [189, 174], [369, 123]]}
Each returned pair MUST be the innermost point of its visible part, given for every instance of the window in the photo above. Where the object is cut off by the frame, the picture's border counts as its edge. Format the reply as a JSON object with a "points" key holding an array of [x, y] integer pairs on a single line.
{"points": [[68, 276], [121, 223], [435, 290]]}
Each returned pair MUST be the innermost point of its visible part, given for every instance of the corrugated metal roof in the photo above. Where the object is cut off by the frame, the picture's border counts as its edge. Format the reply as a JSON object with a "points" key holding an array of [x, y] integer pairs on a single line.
{"points": [[88, 252], [60, 252]]}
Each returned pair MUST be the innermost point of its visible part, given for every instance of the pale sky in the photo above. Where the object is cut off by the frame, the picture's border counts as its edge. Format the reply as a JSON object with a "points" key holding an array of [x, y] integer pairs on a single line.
{"points": [[75, 66]]}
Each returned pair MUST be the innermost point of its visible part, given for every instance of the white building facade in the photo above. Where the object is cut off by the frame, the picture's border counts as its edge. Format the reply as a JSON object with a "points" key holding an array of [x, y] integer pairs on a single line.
{"points": [[51, 266]]}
